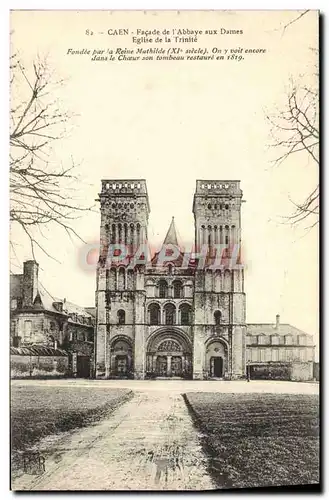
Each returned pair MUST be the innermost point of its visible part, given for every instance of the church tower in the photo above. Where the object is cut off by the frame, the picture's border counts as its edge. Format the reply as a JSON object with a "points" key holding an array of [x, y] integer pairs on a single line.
{"points": [[219, 305], [217, 213], [120, 291]]}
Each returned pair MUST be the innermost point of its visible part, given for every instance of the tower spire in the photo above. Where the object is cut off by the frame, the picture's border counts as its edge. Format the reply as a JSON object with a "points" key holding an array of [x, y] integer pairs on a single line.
{"points": [[171, 236]]}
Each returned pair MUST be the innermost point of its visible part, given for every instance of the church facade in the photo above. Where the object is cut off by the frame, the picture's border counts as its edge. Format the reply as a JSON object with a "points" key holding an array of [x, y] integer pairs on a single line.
{"points": [[182, 312], [177, 313]]}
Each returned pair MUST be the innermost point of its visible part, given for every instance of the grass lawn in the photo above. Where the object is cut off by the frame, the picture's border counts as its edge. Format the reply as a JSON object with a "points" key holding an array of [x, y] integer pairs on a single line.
{"points": [[258, 440], [38, 411]]}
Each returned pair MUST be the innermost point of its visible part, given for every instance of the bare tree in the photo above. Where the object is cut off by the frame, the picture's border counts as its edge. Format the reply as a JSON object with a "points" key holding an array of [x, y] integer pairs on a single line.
{"points": [[295, 131], [295, 19], [42, 190]]}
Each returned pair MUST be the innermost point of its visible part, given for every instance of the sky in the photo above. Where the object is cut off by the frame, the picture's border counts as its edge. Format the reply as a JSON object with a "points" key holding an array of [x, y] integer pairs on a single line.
{"points": [[172, 122]]}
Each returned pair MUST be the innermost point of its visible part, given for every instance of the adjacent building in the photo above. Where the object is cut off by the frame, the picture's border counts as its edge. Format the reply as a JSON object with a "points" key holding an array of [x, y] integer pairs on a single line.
{"points": [[44, 327], [279, 350]]}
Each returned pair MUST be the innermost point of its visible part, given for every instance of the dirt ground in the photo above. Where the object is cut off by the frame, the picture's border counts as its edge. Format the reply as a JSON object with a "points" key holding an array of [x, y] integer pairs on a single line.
{"points": [[149, 443]]}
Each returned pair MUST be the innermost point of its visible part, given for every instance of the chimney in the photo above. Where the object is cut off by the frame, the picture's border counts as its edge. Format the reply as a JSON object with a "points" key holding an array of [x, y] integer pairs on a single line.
{"points": [[277, 321], [30, 282]]}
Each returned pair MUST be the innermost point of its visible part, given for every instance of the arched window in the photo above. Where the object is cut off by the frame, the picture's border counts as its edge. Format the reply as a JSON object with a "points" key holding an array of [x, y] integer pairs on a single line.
{"points": [[178, 290], [138, 233], [203, 229], [119, 233], [185, 314], [113, 234], [217, 317], [120, 345], [170, 314], [125, 226], [233, 234], [215, 235], [154, 314], [121, 317], [227, 235], [163, 289], [121, 279], [112, 278], [132, 231], [209, 235], [130, 279]]}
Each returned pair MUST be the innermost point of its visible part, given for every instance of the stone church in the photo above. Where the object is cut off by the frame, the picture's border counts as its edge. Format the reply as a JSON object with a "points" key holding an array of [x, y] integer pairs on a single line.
{"points": [[177, 313]]}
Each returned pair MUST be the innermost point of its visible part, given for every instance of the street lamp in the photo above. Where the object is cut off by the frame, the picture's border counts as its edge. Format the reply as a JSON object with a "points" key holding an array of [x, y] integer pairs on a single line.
{"points": [[248, 372]]}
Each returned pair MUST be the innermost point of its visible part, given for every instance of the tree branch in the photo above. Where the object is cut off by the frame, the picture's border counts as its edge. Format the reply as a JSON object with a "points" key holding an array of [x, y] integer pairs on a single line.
{"points": [[41, 188]]}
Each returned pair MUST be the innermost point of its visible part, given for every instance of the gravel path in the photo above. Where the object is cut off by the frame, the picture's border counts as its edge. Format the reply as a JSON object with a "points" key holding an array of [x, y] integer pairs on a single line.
{"points": [[149, 443]]}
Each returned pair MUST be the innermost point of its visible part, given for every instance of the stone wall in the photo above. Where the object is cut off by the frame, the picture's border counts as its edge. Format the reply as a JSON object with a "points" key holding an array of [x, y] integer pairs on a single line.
{"points": [[31, 327], [302, 371], [282, 371], [38, 366], [316, 371]]}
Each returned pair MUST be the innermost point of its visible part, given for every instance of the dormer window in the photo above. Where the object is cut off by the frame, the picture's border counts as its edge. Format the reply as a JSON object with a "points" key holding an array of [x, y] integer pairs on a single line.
{"points": [[58, 306]]}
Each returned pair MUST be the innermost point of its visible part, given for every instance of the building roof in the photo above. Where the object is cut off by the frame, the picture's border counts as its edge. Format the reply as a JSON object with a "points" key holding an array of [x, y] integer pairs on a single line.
{"points": [[271, 329], [172, 240], [91, 311], [171, 236], [16, 284], [68, 307], [37, 350], [44, 300]]}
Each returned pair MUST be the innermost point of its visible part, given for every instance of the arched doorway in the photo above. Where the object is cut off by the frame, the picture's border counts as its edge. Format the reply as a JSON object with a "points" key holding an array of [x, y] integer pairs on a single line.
{"points": [[216, 362], [169, 354], [121, 357]]}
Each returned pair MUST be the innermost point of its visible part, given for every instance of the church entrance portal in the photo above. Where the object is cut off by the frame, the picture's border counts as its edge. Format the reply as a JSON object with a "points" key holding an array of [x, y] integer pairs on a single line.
{"points": [[121, 357], [169, 355], [216, 359]]}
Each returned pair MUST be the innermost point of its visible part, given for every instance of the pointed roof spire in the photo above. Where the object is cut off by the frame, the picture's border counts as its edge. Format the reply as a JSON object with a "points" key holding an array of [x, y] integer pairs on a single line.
{"points": [[171, 236]]}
